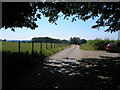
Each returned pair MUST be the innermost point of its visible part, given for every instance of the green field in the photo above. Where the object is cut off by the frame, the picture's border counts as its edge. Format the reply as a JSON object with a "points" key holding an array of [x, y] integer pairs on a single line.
{"points": [[27, 47]]}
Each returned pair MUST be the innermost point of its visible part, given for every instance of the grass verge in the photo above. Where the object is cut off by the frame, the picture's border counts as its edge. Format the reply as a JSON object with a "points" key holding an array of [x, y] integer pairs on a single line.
{"points": [[88, 47]]}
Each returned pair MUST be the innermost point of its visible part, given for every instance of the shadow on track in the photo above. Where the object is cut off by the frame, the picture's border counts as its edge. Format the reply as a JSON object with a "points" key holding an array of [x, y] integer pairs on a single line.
{"points": [[87, 73]]}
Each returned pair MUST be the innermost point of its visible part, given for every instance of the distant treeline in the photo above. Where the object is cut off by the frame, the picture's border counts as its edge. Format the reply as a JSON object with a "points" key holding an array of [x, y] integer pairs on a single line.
{"points": [[72, 40], [27, 41], [40, 39], [48, 40]]}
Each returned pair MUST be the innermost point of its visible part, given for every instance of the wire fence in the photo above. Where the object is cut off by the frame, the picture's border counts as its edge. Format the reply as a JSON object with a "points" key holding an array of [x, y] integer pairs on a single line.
{"points": [[30, 46]]}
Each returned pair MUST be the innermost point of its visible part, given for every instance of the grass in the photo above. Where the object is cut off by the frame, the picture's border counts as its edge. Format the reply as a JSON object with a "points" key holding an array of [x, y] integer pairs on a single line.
{"points": [[88, 47], [9, 46], [10, 51], [97, 44], [16, 64], [27, 47]]}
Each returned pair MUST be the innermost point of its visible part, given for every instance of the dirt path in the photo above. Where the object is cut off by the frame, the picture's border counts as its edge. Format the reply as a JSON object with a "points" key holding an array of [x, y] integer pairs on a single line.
{"points": [[77, 54], [72, 68]]}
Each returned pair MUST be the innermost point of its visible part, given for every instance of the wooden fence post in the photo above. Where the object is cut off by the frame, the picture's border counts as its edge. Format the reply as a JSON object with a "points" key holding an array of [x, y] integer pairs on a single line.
{"points": [[54, 45], [32, 47], [58, 44], [40, 47], [51, 45], [46, 46], [18, 46]]}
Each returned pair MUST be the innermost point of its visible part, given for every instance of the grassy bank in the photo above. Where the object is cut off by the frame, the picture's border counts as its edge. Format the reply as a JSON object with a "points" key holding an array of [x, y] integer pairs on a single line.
{"points": [[97, 44]]}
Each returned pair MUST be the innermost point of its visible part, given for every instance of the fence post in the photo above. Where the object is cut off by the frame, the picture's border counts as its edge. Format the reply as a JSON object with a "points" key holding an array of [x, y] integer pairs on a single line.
{"points": [[46, 46], [18, 46], [58, 44], [51, 45], [40, 47], [54, 45], [32, 47]]}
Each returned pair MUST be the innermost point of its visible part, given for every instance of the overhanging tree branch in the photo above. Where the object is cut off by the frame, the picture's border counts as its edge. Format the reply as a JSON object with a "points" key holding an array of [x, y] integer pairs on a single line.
{"points": [[25, 14]]}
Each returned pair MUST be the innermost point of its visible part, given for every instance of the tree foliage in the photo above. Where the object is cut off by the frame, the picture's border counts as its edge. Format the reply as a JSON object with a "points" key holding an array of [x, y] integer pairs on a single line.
{"points": [[25, 14], [82, 41], [48, 40], [18, 15], [77, 40]]}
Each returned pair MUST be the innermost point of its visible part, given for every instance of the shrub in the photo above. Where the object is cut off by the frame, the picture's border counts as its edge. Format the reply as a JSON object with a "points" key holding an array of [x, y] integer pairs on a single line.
{"points": [[100, 44]]}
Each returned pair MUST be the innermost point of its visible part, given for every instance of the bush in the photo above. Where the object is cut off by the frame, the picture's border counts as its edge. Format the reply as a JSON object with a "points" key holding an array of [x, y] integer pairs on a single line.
{"points": [[100, 44]]}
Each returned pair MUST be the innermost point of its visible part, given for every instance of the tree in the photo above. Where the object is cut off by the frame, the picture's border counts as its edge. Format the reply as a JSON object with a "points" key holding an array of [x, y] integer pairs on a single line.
{"points": [[18, 15], [4, 40], [48, 40], [75, 40], [83, 41], [64, 41], [25, 14]]}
